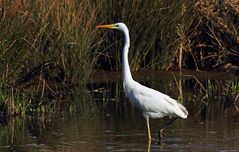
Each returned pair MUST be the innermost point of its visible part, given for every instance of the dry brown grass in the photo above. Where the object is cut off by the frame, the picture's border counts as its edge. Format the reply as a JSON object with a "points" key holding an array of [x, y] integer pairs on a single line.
{"points": [[211, 36]]}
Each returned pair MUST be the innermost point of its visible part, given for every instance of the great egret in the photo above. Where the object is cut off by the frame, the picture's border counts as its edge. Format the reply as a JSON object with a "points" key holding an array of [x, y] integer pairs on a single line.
{"points": [[152, 103]]}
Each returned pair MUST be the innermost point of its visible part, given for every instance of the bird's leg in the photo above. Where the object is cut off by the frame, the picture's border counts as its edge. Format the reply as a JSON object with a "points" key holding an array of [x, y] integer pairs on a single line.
{"points": [[165, 126], [149, 145], [148, 127]]}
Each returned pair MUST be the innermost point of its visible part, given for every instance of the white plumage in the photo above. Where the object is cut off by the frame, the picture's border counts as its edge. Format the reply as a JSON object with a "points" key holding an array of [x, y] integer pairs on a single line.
{"points": [[152, 103]]}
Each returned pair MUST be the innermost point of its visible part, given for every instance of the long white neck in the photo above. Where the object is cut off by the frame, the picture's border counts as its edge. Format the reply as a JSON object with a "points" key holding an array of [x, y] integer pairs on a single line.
{"points": [[126, 74]]}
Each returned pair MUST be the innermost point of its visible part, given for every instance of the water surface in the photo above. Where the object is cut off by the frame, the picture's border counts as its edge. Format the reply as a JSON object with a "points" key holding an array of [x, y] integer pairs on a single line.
{"points": [[103, 120]]}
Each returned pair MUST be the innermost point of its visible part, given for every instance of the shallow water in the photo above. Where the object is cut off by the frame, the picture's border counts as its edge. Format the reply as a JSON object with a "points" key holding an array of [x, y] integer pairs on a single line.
{"points": [[105, 121], [107, 132]]}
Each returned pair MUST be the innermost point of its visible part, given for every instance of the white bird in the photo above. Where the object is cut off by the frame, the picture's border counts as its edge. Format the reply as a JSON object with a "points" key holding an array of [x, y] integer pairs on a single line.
{"points": [[152, 103]]}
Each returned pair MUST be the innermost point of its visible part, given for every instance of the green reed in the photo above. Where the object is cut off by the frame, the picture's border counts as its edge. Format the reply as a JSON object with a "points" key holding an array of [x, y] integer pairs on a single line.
{"points": [[49, 48], [152, 28], [42, 43]]}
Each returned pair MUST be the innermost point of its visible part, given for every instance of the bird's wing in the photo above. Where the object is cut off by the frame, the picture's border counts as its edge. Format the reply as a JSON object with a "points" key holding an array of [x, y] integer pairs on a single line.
{"points": [[150, 100]]}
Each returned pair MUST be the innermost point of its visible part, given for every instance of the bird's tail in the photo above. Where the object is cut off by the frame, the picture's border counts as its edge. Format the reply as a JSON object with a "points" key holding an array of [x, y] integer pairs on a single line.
{"points": [[182, 112], [178, 108]]}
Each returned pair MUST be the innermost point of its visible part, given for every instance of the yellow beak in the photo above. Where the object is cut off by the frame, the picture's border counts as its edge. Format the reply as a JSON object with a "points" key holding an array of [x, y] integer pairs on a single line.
{"points": [[105, 26]]}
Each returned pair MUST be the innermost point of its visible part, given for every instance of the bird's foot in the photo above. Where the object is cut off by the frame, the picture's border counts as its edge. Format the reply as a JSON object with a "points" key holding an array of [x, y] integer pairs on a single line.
{"points": [[160, 136]]}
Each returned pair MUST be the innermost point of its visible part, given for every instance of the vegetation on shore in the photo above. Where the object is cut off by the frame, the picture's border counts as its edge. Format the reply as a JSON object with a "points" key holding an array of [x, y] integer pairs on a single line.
{"points": [[48, 48]]}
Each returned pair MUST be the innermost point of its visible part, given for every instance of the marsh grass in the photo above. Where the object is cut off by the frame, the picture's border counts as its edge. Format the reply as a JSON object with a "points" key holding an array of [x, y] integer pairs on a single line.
{"points": [[44, 43], [152, 31], [172, 35], [215, 98]]}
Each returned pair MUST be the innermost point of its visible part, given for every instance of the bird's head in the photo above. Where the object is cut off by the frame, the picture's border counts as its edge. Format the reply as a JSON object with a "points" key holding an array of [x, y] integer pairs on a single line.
{"points": [[117, 26], [121, 27]]}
